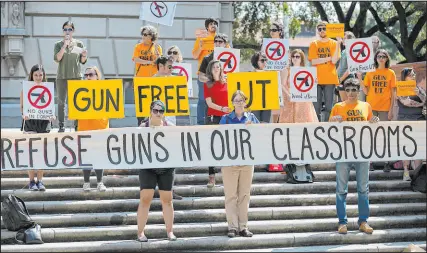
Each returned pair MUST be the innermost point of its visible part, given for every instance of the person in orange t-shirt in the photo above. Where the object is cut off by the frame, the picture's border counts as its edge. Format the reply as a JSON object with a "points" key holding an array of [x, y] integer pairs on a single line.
{"points": [[380, 86], [93, 73], [324, 54]]}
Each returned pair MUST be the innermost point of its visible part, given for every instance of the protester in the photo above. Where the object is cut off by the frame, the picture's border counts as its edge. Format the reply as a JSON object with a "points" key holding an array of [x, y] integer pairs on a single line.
{"points": [[69, 53], [340, 112], [376, 43], [35, 126], [259, 61], [380, 86], [150, 178], [93, 73], [411, 109], [238, 179], [175, 53], [324, 54], [203, 47], [215, 93], [145, 55], [276, 32], [343, 72]]}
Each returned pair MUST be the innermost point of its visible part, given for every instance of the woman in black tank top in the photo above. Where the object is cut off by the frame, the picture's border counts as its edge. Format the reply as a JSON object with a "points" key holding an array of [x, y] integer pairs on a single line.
{"points": [[35, 126]]}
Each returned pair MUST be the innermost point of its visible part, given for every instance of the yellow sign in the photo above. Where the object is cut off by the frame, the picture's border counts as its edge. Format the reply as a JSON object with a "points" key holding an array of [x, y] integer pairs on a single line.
{"points": [[335, 30], [406, 88], [172, 91], [261, 89], [95, 99]]}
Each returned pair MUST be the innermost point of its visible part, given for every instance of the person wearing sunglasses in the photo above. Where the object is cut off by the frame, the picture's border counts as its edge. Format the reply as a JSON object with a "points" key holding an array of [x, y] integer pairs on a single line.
{"points": [[175, 52], [259, 62], [145, 55], [150, 178], [324, 53], [237, 180], [352, 109], [276, 32], [343, 72], [216, 95], [69, 53], [411, 109], [93, 73]]}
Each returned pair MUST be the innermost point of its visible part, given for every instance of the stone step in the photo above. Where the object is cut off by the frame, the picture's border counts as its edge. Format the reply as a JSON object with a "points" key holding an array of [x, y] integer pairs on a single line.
{"points": [[184, 179], [202, 190], [224, 243], [218, 215], [158, 231], [188, 203], [371, 247]]}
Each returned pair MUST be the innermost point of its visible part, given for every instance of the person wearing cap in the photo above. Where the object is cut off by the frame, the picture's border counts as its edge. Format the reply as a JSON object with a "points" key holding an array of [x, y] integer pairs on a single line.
{"points": [[150, 178]]}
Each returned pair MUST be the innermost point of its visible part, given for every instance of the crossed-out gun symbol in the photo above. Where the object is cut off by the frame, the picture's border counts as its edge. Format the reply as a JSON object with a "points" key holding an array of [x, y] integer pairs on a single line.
{"points": [[302, 79], [229, 63], [361, 50], [278, 51], [158, 7], [37, 95]]}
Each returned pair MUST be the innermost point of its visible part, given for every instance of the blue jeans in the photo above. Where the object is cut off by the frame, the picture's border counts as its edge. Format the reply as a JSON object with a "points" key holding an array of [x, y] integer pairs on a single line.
{"points": [[201, 104], [362, 178]]}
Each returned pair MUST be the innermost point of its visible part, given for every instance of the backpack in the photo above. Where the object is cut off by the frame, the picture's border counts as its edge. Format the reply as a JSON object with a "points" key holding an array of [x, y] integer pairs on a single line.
{"points": [[15, 214], [419, 180], [298, 174]]}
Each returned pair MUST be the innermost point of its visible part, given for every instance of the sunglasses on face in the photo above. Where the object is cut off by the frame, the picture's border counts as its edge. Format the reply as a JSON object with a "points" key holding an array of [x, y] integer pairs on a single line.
{"points": [[351, 90], [296, 56], [146, 34], [173, 52], [219, 41], [274, 30], [89, 75], [157, 111], [67, 29], [382, 57], [263, 60], [321, 29]]}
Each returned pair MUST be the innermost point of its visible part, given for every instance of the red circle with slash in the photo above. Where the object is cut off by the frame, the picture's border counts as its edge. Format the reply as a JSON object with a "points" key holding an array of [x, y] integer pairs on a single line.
{"points": [[156, 10], [39, 97], [279, 45], [230, 57], [362, 49], [299, 85], [181, 71]]}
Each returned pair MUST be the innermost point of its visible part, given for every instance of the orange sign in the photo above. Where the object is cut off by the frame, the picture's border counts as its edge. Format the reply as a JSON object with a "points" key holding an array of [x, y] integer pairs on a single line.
{"points": [[406, 88]]}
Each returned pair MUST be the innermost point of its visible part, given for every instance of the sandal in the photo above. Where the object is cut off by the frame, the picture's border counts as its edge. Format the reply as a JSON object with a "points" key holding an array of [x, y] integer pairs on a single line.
{"points": [[171, 237], [142, 239]]}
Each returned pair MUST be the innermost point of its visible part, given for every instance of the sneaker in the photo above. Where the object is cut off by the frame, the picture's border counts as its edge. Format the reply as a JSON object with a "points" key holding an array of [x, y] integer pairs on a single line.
{"points": [[342, 229], [61, 128], [41, 186], [33, 186], [246, 233], [101, 187], [364, 227], [176, 196], [211, 182], [406, 176], [86, 187], [232, 233]]}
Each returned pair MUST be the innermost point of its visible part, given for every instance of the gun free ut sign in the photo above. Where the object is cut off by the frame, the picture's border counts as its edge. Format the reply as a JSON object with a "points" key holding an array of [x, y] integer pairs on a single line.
{"points": [[38, 102], [360, 55]]}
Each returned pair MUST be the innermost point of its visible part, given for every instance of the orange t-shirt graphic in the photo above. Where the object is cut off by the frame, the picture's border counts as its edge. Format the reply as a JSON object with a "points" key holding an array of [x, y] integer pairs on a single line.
{"points": [[326, 72], [360, 111], [148, 53], [380, 84]]}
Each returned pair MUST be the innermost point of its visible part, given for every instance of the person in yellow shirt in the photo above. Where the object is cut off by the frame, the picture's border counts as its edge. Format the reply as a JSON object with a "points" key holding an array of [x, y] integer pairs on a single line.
{"points": [[352, 109], [324, 53], [202, 47], [93, 73], [380, 86]]}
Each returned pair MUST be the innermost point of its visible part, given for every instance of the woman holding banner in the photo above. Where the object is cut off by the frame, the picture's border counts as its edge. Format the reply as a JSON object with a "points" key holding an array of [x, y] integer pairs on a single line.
{"points": [[93, 73], [216, 96], [35, 126], [411, 109], [145, 55], [150, 178], [238, 179]]}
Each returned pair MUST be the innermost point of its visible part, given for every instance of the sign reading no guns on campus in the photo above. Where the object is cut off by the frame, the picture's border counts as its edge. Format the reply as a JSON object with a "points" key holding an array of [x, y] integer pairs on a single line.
{"points": [[38, 102], [360, 55], [95, 99], [173, 91], [220, 145]]}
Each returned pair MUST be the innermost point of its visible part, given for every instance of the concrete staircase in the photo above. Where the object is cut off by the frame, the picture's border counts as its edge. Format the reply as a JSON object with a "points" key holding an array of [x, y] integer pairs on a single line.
{"points": [[283, 217]]}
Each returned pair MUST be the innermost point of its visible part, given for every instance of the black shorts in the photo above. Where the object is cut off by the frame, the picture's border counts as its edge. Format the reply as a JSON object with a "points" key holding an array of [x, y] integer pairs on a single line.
{"points": [[149, 178]]}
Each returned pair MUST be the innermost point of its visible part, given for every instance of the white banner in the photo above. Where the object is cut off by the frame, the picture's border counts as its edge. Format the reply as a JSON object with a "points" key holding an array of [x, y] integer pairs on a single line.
{"points": [[229, 58], [184, 69], [303, 84], [38, 100], [360, 55], [158, 12], [220, 145], [277, 54]]}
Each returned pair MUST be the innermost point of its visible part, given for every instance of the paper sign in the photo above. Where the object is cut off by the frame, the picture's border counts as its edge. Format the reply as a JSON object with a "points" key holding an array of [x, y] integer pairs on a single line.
{"points": [[77, 50], [158, 12], [276, 51], [406, 88], [172, 91], [360, 55], [229, 58], [335, 30], [184, 69], [201, 33], [303, 84], [38, 100], [95, 99], [261, 89]]}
